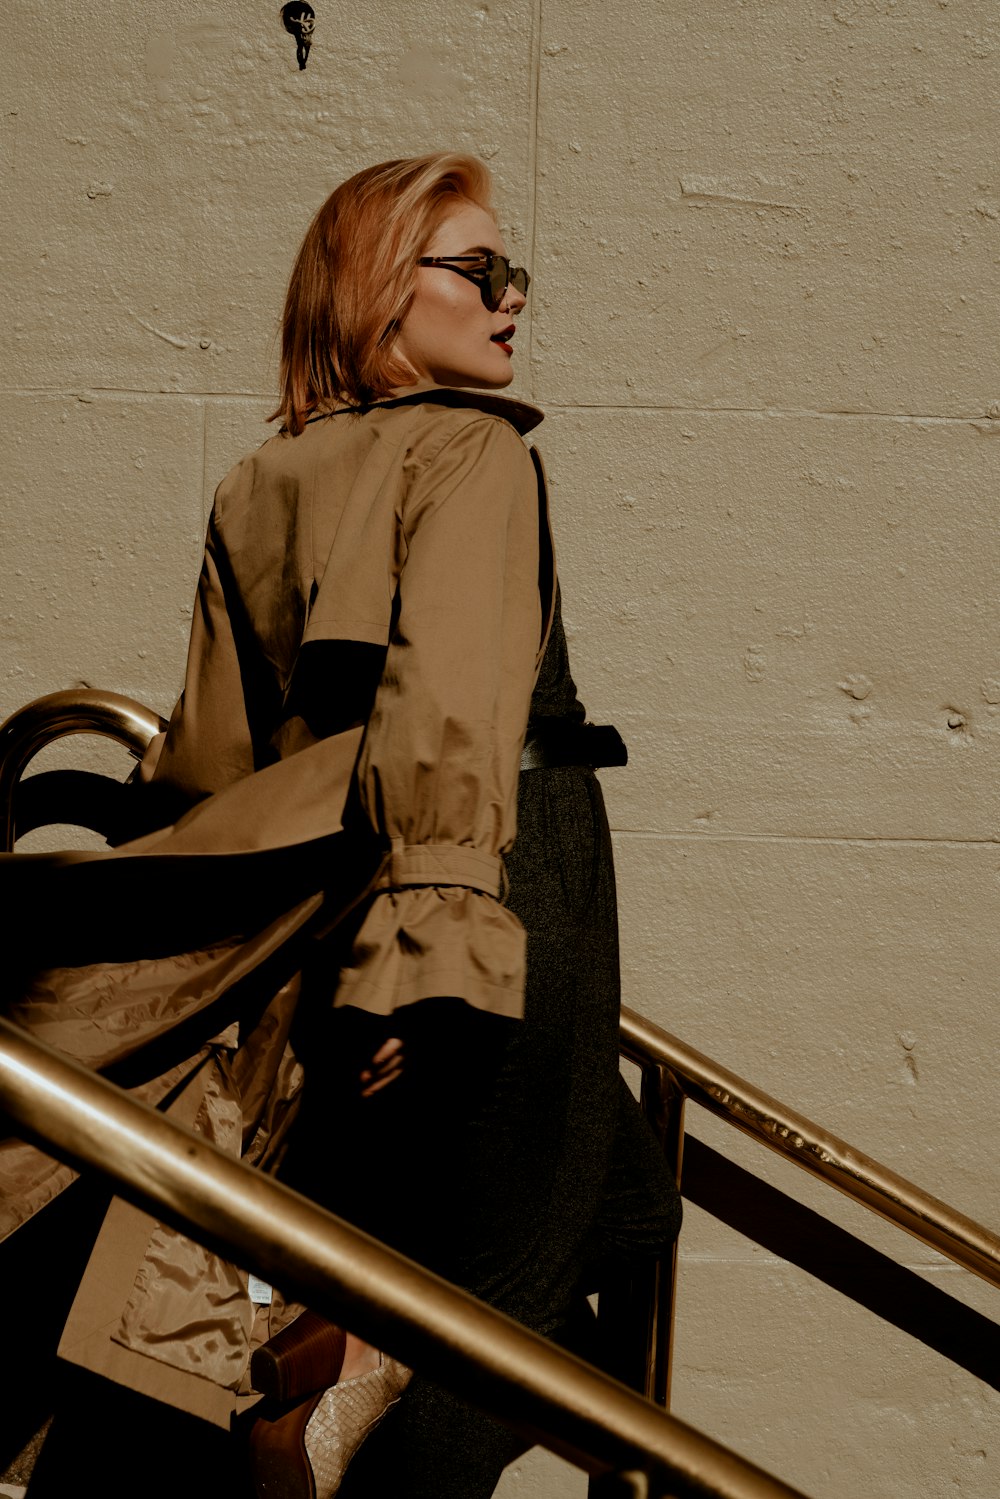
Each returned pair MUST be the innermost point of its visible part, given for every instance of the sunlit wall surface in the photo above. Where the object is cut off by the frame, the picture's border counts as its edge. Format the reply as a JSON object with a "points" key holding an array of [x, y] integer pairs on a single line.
{"points": [[765, 242]]}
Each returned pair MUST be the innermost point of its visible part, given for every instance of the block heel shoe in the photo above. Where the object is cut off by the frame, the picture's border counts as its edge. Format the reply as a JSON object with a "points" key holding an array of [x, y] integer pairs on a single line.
{"points": [[279, 1465], [304, 1357], [303, 1451]]}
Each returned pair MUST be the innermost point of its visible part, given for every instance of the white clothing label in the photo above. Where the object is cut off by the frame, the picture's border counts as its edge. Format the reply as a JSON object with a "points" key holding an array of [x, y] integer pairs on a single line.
{"points": [[260, 1291]]}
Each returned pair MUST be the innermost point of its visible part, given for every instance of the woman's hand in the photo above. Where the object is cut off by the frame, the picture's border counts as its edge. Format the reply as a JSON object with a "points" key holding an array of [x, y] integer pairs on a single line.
{"points": [[386, 1065]]}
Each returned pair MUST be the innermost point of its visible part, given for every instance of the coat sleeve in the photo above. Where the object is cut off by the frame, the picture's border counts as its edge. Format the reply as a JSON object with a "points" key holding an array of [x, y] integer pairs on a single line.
{"points": [[437, 775], [208, 742]]}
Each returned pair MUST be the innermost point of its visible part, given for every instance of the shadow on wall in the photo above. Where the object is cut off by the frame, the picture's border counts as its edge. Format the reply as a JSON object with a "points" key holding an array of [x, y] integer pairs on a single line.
{"points": [[805, 1238]]}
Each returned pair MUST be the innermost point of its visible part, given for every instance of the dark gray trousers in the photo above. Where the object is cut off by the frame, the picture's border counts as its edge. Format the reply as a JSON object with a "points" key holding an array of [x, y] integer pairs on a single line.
{"points": [[554, 1173]]}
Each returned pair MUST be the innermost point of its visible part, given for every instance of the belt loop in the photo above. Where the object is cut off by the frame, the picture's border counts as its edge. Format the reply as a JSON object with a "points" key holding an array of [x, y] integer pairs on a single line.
{"points": [[397, 847]]}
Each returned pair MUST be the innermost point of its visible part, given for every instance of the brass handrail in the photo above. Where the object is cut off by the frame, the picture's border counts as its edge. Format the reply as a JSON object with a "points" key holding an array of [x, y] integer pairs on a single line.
{"points": [[813, 1148], [546, 1394], [672, 1072], [78, 711]]}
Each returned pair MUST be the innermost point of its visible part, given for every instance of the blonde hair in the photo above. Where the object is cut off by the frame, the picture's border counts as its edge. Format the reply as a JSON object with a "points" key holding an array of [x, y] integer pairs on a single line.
{"points": [[354, 276]]}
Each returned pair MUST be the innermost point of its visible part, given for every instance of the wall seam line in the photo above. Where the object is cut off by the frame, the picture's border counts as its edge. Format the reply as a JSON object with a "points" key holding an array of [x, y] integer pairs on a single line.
{"points": [[204, 459], [819, 412], [977, 419], [812, 839], [535, 88]]}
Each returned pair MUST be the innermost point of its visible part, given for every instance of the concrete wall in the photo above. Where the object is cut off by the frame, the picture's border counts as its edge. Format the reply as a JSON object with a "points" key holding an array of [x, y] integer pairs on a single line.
{"points": [[765, 240]]}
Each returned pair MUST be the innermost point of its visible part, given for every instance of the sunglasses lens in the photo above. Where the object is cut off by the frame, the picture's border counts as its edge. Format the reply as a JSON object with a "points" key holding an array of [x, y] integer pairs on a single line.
{"points": [[502, 275], [498, 280]]}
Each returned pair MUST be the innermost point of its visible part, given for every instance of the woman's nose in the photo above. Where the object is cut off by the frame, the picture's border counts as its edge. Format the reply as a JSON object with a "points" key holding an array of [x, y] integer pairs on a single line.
{"points": [[513, 300]]}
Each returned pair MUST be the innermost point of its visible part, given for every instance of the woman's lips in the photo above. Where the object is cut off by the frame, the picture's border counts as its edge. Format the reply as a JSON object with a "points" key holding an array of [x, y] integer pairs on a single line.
{"points": [[503, 338]]}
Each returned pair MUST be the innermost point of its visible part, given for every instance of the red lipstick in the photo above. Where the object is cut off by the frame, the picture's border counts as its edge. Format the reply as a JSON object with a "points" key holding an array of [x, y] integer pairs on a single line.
{"points": [[503, 338]]}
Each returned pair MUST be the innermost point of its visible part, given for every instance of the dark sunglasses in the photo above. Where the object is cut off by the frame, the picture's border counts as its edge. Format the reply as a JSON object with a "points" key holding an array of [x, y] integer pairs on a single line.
{"points": [[493, 278]]}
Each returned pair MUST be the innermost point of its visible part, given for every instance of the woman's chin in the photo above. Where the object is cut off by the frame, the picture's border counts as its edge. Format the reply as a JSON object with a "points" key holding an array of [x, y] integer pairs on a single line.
{"points": [[498, 378], [477, 381]]}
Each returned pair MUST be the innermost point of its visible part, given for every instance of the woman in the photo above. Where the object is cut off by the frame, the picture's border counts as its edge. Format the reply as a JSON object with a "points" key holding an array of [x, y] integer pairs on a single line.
{"points": [[377, 628]]}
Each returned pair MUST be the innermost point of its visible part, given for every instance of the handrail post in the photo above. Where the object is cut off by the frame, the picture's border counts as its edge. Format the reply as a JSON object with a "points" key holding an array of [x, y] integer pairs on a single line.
{"points": [[635, 1311], [662, 1102]]}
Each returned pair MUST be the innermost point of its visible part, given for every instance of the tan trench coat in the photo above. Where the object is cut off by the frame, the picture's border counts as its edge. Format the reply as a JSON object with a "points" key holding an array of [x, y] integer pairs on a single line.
{"points": [[372, 611]]}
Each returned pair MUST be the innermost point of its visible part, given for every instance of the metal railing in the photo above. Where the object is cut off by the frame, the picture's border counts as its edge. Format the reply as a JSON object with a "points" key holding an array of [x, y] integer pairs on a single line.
{"points": [[42, 722], [671, 1072], [547, 1395]]}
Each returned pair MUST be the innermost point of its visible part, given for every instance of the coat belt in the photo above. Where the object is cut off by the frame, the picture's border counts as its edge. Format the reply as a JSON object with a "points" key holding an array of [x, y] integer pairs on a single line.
{"points": [[564, 741], [409, 864]]}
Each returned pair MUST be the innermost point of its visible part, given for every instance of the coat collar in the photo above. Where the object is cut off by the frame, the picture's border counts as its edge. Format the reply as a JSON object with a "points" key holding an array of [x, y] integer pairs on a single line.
{"points": [[520, 414]]}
